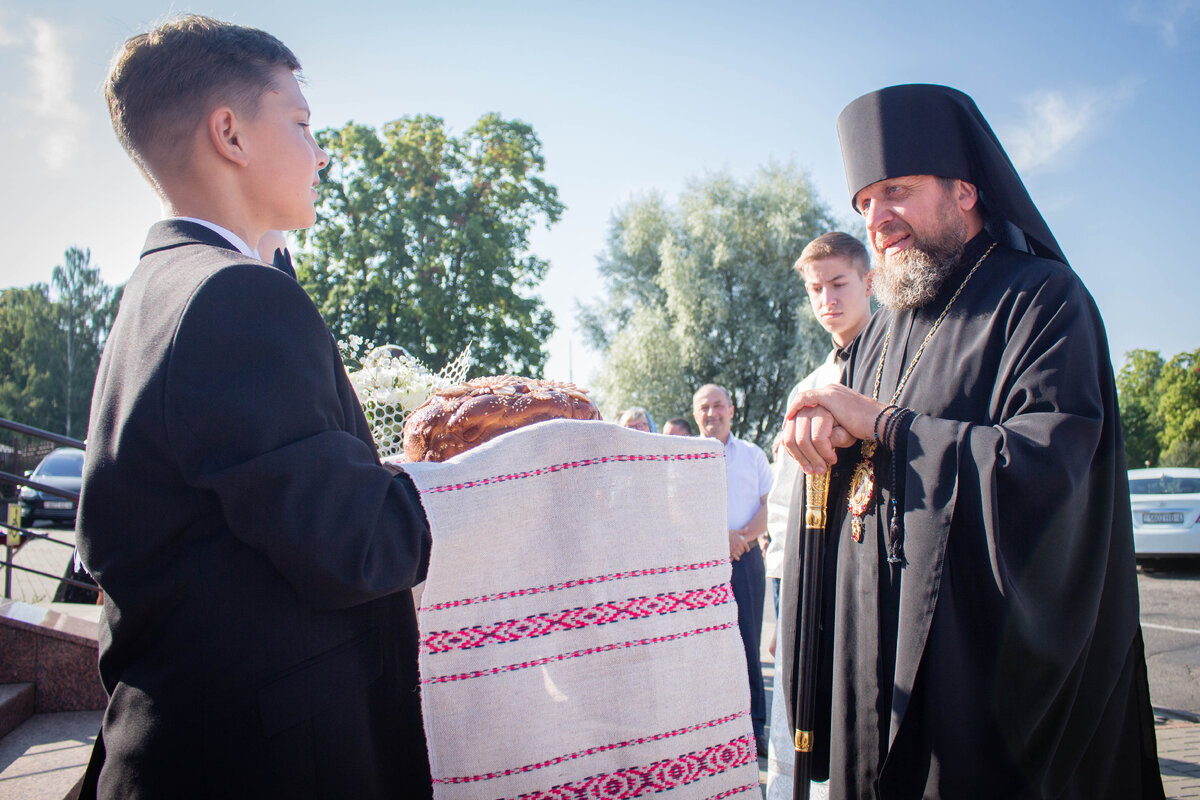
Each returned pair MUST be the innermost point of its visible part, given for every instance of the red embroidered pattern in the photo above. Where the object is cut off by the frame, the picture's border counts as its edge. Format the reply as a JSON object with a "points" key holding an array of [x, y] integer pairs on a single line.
{"points": [[513, 630], [537, 662], [657, 777], [586, 462], [749, 787], [615, 576], [658, 737]]}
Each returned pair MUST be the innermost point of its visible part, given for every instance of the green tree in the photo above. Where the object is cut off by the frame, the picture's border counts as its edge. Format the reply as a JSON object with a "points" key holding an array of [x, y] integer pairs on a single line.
{"points": [[705, 292], [1182, 454], [1178, 389], [1138, 398], [30, 345], [422, 240], [630, 266], [84, 318], [51, 337]]}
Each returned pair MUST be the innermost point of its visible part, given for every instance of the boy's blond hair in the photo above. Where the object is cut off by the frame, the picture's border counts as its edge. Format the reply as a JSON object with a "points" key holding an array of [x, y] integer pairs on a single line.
{"points": [[835, 245]]}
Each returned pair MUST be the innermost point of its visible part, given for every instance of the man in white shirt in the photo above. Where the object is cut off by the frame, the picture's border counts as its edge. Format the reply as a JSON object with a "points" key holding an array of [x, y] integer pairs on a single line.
{"points": [[748, 475], [837, 276]]}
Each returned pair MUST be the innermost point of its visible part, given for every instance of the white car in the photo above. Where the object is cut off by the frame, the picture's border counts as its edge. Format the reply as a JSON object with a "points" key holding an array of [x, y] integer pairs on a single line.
{"points": [[1166, 511]]}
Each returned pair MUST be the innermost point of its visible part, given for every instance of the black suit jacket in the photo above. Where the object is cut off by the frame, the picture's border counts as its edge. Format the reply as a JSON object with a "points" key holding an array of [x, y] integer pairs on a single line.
{"points": [[258, 638]]}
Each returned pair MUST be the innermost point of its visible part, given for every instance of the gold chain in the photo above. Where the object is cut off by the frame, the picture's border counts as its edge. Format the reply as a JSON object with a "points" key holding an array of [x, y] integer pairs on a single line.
{"points": [[862, 485], [936, 324]]}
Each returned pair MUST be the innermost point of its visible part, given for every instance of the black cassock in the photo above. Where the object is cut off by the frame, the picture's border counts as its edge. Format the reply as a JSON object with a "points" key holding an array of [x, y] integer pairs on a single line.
{"points": [[1002, 657]]}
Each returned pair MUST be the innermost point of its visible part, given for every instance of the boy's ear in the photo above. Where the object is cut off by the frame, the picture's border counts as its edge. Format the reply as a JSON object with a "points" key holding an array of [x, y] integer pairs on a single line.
{"points": [[224, 132]]}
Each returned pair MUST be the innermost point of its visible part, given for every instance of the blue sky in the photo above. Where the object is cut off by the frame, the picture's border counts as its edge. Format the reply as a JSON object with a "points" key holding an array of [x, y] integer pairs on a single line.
{"points": [[1097, 103]]}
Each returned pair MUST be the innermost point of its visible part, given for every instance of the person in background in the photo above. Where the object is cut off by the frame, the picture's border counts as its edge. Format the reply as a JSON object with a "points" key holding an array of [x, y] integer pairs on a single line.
{"points": [[748, 478], [677, 426], [637, 418], [836, 271]]}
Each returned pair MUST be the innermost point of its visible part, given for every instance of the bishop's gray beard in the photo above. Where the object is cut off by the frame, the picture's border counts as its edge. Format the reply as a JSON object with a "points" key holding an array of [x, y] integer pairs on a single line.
{"points": [[911, 278]]}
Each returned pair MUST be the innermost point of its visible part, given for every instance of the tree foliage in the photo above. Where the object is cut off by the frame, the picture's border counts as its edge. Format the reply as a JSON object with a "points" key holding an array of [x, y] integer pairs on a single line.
{"points": [[1182, 454], [1179, 400], [422, 240], [51, 337], [85, 314], [704, 292], [1139, 406], [29, 342], [1160, 408]]}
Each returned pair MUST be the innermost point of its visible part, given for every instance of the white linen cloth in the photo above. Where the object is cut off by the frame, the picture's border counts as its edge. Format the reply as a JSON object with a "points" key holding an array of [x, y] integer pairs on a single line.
{"points": [[578, 634]]}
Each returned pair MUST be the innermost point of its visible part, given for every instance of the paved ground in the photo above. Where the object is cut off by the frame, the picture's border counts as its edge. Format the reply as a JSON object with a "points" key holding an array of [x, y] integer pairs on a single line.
{"points": [[1178, 739], [44, 757], [47, 556]]}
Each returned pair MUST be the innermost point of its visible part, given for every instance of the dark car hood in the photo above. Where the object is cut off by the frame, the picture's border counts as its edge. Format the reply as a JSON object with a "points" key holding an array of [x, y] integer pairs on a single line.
{"points": [[67, 483]]}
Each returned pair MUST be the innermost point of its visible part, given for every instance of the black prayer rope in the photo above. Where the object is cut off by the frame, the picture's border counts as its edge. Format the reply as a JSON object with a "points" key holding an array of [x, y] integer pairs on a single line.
{"points": [[897, 426], [879, 416]]}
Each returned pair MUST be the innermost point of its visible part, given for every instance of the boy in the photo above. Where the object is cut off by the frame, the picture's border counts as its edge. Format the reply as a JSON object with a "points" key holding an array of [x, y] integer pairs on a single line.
{"points": [[258, 637], [837, 277], [836, 272]]}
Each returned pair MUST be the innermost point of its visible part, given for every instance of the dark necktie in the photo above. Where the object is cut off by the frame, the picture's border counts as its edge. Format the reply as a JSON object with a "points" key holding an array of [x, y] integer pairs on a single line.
{"points": [[282, 261]]}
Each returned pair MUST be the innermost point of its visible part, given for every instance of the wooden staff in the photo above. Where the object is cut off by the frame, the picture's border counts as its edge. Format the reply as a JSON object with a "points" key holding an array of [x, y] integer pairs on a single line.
{"points": [[816, 497]]}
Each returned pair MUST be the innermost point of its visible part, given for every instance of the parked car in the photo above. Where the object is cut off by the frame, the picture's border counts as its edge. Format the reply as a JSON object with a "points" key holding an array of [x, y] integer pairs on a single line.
{"points": [[1166, 511], [62, 469]]}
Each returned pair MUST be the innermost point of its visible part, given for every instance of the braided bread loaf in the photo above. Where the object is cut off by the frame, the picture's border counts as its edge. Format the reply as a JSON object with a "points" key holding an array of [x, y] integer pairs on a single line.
{"points": [[459, 417]]}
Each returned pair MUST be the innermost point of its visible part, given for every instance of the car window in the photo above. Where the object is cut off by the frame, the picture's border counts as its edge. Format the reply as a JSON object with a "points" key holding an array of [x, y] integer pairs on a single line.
{"points": [[1164, 485], [62, 465]]}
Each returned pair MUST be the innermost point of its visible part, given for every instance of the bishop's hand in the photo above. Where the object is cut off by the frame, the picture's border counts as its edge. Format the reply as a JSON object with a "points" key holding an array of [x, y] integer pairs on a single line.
{"points": [[818, 421]]}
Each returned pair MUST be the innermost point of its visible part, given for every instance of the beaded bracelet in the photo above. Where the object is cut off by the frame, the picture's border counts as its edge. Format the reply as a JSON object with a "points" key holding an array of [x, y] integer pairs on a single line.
{"points": [[879, 416], [889, 428]]}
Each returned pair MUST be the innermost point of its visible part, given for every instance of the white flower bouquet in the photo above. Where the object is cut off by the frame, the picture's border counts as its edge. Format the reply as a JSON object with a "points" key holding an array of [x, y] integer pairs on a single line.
{"points": [[391, 384]]}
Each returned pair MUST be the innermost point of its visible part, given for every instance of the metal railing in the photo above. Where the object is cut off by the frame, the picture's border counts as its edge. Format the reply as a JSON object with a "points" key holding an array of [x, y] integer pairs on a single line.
{"points": [[15, 458]]}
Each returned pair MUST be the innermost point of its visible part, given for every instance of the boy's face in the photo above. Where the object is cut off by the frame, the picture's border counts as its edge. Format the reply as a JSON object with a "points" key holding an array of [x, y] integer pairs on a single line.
{"points": [[285, 158], [840, 296]]}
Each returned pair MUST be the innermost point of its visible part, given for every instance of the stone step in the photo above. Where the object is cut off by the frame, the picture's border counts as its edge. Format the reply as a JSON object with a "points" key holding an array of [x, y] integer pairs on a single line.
{"points": [[45, 757], [56, 651], [17, 701]]}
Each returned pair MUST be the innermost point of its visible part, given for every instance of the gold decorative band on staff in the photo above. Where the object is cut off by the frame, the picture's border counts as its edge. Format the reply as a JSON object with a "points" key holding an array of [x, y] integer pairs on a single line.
{"points": [[817, 486], [814, 517], [804, 741]]}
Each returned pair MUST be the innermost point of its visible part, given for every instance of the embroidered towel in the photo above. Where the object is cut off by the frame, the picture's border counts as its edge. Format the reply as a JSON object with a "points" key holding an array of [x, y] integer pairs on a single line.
{"points": [[578, 633]]}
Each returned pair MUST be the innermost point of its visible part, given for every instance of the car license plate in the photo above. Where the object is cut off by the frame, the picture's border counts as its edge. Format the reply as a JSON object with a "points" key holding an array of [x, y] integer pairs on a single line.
{"points": [[59, 504], [1162, 517]]}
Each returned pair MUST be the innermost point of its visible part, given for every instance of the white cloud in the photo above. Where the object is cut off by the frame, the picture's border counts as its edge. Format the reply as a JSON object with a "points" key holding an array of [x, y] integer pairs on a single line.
{"points": [[1168, 17], [57, 117], [1056, 121]]}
